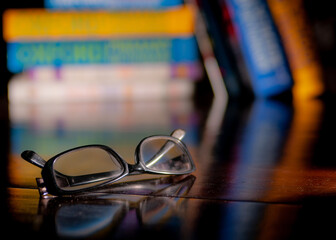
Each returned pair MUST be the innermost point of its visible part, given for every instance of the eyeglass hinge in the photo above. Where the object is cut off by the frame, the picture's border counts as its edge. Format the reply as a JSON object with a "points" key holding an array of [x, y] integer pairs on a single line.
{"points": [[42, 188]]}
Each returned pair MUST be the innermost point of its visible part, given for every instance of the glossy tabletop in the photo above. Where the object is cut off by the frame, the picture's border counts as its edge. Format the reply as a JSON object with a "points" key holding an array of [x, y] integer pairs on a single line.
{"points": [[265, 170]]}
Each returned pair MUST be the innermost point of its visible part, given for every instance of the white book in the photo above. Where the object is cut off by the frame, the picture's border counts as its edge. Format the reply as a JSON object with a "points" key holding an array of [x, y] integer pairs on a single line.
{"points": [[21, 89], [117, 72]]}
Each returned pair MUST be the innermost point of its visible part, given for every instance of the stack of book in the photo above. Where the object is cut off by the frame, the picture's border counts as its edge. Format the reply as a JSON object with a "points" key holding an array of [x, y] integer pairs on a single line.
{"points": [[101, 50]]}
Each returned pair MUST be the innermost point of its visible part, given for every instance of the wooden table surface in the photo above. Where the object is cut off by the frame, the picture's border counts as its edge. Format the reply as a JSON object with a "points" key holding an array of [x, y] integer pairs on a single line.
{"points": [[265, 170]]}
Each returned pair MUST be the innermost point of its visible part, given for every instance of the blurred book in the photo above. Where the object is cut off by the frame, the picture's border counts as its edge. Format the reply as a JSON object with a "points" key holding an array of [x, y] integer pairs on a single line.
{"points": [[225, 50], [108, 4], [297, 36], [261, 47], [41, 24], [26, 55], [117, 72], [23, 90]]}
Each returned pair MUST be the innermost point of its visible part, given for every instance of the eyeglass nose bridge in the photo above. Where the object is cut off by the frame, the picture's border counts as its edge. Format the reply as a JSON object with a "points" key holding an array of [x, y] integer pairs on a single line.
{"points": [[135, 169]]}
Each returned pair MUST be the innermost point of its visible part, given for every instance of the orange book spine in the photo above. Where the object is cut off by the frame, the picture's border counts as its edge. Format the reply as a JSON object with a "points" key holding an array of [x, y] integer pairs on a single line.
{"points": [[41, 24], [300, 48]]}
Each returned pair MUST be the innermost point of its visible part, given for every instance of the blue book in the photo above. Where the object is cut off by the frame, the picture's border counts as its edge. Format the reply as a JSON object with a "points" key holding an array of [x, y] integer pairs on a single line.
{"points": [[25, 55], [261, 47], [111, 4]]}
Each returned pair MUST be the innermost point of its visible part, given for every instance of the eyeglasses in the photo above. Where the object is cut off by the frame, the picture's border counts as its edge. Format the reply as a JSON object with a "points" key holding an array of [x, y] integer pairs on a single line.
{"points": [[90, 167]]}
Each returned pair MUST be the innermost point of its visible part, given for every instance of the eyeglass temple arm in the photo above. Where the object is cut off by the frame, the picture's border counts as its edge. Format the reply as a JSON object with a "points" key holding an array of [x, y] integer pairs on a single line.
{"points": [[33, 158], [179, 134]]}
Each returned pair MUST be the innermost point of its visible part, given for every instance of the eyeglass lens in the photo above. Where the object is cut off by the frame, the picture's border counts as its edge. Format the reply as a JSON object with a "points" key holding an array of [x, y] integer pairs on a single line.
{"points": [[85, 167], [164, 155]]}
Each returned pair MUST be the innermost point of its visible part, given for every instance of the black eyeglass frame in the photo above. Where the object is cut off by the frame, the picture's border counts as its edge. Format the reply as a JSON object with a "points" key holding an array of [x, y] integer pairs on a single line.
{"points": [[49, 177]]}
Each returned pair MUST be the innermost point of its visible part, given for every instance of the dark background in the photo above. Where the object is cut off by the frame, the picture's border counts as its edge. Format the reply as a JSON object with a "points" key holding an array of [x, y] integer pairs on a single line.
{"points": [[5, 74]]}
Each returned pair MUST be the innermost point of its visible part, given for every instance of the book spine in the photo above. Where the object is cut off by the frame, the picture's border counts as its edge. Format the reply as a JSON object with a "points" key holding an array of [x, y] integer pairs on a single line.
{"points": [[222, 48], [22, 91], [235, 45], [117, 72], [110, 4], [37, 24], [261, 47], [296, 34], [24, 55]]}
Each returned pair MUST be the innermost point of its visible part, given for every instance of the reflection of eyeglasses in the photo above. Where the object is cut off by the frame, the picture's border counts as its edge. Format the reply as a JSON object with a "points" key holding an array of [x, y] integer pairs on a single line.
{"points": [[103, 214], [88, 167]]}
